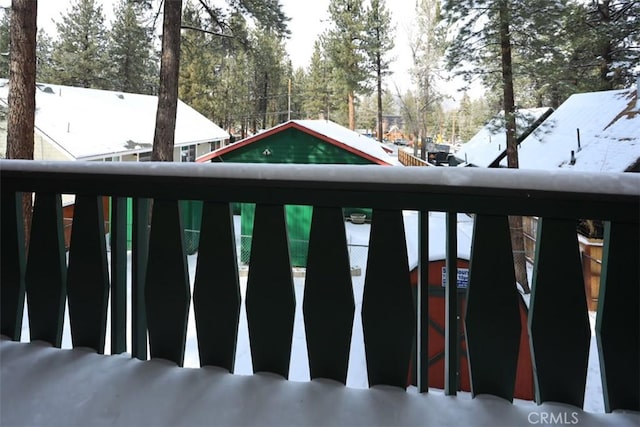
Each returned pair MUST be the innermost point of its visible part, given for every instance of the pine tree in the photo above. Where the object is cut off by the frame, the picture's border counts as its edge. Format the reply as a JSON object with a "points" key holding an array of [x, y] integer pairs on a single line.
{"points": [[379, 44], [22, 90], [484, 25], [345, 44], [199, 67], [45, 72], [298, 83], [427, 48], [267, 14], [270, 77], [613, 29], [79, 52], [164, 135], [131, 57], [4, 42], [318, 96]]}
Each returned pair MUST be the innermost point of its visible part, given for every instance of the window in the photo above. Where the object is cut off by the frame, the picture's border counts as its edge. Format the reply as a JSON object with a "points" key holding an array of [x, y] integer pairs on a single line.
{"points": [[144, 157], [188, 153], [215, 145]]}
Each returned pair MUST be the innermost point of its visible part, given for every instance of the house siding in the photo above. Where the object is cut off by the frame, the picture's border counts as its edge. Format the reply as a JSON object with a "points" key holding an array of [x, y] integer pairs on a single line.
{"points": [[292, 146]]}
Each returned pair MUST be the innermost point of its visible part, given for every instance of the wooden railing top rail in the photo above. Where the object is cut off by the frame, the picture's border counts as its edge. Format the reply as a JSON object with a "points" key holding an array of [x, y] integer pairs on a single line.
{"points": [[562, 194], [161, 292]]}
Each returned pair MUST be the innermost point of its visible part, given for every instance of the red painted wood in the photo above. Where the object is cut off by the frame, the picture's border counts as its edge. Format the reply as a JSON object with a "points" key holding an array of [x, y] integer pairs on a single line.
{"points": [[524, 376]]}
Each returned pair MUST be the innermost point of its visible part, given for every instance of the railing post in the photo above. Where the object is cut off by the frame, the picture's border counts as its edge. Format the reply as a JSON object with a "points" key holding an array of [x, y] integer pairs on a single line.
{"points": [[12, 267], [46, 271], [618, 317], [87, 274], [558, 321], [451, 338], [422, 335], [388, 311], [139, 256], [167, 292], [118, 245]]}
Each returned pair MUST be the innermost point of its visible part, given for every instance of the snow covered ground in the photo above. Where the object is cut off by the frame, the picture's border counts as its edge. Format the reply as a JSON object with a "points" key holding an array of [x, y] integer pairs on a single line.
{"points": [[299, 368]]}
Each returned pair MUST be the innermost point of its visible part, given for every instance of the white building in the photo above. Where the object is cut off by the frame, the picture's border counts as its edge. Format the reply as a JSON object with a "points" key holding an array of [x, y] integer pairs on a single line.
{"points": [[73, 123]]}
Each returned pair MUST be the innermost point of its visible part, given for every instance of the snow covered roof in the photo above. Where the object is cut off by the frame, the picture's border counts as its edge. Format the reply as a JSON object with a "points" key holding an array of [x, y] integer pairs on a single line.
{"points": [[325, 130], [490, 143], [609, 126], [92, 123], [359, 235], [437, 236]]}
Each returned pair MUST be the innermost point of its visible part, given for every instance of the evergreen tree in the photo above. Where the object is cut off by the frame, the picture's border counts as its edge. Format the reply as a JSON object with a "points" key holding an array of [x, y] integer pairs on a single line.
{"points": [[5, 14], [367, 113], [379, 44], [131, 57], [484, 25], [270, 78], [612, 28], [164, 135], [266, 13], [427, 49], [345, 44], [198, 65], [22, 91], [298, 83], [45, 71], [79, 52], [318, 96]]}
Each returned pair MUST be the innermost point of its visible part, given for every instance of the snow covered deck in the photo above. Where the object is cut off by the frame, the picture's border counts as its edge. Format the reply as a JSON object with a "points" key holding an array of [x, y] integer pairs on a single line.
{"points": [[41, 385], [45, 386]]}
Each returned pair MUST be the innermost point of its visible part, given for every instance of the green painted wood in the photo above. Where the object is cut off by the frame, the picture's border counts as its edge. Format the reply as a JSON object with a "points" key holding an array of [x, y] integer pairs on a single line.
{"points": [[139, 256], [328, 305], [422, 309], [216, 294], [167, 290], [388, 316], [45, 276], [451, 341], [118, 275], [618, 320], [87, 275], [270, 297], [12, 265], [298, 220], [559, 328], [492, 317], [293, 146]]}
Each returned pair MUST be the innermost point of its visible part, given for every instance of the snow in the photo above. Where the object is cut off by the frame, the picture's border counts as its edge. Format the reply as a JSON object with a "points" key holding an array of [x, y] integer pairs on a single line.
{"points": [[91, 123], [43, 386], [348, 137], [609, 134], [437, 236], [491, 141]]}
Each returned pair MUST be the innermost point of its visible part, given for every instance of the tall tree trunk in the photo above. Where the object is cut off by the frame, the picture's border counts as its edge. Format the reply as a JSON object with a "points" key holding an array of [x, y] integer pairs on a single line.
{"points": [[164, 137], [352, 110], [515, 222], [379, 75], [22, 90]]}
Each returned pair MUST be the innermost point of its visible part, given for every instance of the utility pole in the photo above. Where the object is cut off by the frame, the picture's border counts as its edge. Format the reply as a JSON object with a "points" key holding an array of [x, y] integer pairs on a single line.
{"points": [[289, 102]]}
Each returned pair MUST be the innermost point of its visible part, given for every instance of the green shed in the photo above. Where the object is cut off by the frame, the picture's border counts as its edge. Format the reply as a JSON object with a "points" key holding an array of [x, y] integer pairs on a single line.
{"points": [[299, 142]]}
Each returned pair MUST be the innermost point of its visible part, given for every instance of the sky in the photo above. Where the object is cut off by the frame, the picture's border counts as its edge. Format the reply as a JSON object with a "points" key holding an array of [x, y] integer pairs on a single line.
{"points": [[308, 20]]}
